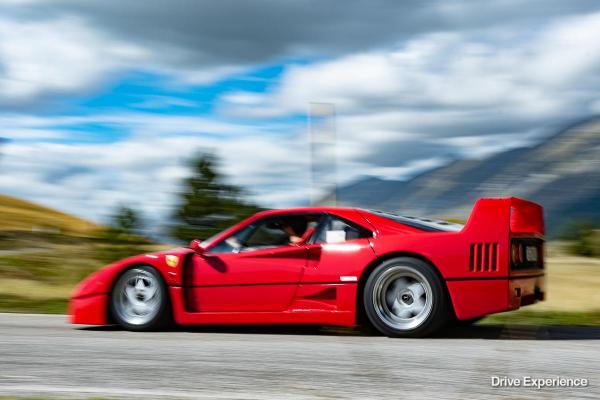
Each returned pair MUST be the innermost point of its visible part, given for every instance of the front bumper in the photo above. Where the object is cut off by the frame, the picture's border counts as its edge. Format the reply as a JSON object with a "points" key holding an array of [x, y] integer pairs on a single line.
{"points": [[89, 310]]}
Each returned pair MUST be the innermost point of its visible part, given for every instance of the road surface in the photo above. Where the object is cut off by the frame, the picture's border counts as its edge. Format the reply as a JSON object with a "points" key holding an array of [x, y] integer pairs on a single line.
{"points": [[44, 356]]}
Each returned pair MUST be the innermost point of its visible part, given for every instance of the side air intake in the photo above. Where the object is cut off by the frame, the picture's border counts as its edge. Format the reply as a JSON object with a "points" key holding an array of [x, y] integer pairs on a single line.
{"points": [[483, 257]]}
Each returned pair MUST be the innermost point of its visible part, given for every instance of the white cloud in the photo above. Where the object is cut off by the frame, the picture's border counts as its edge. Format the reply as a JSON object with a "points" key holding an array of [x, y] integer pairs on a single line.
{"points": [[401, 108], [570, 52], [474, 92], [405, 171], [7, 132], [147, 168], [56, 56], [46, 57], [151, 102]]}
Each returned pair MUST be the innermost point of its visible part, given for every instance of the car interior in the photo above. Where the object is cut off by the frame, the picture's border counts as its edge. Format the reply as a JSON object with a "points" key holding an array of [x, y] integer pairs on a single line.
{"points": [[285, 230]]}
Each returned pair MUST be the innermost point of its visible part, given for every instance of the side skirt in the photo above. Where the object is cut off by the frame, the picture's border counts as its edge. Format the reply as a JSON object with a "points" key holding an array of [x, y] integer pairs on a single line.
{"points": [[308, 308]]}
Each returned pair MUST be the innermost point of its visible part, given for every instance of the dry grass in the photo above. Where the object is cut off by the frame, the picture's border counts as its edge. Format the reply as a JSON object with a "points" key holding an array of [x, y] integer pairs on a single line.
{"points": [[21, 215], [573, 284], [34, 290], [572, 293]]}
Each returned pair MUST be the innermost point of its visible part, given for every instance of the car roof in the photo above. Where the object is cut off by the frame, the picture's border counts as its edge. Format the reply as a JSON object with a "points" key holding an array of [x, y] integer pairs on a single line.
{"points": [[381, 221], [314, 209]]}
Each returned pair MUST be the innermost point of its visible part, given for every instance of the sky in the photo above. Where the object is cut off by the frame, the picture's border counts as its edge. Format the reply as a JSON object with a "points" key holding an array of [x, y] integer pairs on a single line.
{"points": [[104, 103]]}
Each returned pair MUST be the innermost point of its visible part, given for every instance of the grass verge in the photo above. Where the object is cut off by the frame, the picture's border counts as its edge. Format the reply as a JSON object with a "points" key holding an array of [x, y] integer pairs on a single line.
{"points": [[538, 317], [19, 304]]}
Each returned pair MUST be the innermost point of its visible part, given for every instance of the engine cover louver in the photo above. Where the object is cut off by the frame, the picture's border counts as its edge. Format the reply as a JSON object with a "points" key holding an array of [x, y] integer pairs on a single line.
{"points": [[483, 257]]}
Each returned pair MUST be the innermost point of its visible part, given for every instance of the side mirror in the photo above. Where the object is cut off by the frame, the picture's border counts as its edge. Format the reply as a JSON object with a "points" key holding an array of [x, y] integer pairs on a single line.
{"points": [[196, 245]]}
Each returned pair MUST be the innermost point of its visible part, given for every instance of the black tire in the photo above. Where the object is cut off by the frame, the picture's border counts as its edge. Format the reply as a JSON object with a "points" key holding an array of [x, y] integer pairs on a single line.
{"points": [[160, 315], [391, 298]]}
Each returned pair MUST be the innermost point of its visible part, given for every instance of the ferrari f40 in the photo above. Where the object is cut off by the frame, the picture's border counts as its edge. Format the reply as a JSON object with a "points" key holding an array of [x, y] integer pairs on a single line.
{"points": [[403, 276]]}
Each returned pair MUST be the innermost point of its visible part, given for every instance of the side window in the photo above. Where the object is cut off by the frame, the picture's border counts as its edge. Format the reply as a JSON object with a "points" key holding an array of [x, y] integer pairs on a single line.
{"points": [[233, 243], [338, 230], [270, 232]]}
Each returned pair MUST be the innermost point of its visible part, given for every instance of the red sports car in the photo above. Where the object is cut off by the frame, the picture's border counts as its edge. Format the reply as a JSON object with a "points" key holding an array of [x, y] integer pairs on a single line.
{"points": [[404, 276]]}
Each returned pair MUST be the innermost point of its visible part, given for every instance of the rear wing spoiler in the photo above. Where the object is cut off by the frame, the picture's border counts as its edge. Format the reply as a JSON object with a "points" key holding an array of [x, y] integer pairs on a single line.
{"points": [[509, 215]]}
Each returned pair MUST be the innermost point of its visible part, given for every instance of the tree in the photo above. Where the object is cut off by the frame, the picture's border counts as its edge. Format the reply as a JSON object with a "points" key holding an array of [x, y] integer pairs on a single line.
{"points": [[583, 237], [207, 204], [122, 237], [127, 220]]}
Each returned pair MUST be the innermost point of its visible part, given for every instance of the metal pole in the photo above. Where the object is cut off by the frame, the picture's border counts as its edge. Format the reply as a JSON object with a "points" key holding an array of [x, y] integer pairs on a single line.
{"points": [[323, 160]]}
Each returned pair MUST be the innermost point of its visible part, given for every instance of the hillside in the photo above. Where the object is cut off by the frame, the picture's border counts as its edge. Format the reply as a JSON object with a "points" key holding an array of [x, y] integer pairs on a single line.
{"points": [[21, 215], [562, 173], [44, 253]]}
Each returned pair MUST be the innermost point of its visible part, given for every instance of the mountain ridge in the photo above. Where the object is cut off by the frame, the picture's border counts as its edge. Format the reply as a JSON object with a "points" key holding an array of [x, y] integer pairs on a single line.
{"points": [[562, 172]]}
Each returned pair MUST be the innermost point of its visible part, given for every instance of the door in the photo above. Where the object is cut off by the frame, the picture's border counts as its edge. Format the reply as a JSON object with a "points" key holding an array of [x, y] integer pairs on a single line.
{"points": [[338, 252], [257, 268]]}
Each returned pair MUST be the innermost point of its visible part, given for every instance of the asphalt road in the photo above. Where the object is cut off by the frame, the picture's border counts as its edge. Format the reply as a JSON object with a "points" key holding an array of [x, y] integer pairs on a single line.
{"points": [[44, 356]]}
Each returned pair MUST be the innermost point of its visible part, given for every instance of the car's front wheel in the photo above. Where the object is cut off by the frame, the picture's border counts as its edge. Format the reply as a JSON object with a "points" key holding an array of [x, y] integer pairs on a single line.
{"points": [[404, 297], [139, 300]]}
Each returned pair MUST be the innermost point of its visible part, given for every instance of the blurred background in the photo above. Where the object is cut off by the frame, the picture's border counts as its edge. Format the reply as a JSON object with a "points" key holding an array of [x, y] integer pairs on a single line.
{"points": [[129, 126]]}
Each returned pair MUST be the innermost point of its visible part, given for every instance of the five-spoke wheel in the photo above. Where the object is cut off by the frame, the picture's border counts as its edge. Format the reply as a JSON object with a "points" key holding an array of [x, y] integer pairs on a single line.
{"points": [[405, 297], [139, 299]]}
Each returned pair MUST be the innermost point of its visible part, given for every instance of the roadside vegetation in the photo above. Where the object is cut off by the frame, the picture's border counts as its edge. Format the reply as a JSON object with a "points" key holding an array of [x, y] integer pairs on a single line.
{"points": [[39, 271], [42, 270], [583, 239], [572, 289], [45, 253], [21, 215], [208, 204]]}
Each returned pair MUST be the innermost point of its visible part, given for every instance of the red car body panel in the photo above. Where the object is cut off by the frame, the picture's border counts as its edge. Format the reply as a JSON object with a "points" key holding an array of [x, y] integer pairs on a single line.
{"points": [[321, 283]]}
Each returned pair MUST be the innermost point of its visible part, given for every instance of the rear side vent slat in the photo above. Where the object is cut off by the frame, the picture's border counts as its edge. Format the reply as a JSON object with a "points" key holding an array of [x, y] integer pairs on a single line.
{"points": [[483, 257], [472, 258]]}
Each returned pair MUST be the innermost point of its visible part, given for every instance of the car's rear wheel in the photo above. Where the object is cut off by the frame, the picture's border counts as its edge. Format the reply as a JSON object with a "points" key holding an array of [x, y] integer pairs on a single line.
{"points": [[404, 297], [139, 300]]}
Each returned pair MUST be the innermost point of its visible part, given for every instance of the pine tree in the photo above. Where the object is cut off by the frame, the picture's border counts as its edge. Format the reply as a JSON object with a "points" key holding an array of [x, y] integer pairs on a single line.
{"points": [[207, 204], [127, 220]]}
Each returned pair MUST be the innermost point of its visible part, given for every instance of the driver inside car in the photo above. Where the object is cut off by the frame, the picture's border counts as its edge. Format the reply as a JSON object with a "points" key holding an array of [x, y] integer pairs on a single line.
{"points": [[293, 237], [299, 230]]}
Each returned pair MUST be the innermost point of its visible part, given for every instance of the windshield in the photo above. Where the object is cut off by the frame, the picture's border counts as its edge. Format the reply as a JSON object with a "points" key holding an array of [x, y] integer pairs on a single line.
{"points": [[211, 239], [426, 224]]}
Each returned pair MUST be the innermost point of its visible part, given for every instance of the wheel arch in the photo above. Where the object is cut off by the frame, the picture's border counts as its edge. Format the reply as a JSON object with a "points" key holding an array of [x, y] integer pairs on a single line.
{"points": [[364, 276]]}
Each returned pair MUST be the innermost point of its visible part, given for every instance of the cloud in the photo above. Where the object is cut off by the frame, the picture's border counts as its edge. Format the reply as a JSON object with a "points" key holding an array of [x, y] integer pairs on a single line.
{"points": [[414, 85], [403, 172], [448, 95], [43, 58], [51, 47], [147, 167]]}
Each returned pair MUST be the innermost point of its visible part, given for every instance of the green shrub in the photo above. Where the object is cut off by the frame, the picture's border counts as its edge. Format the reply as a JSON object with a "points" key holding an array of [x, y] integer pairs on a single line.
{"points": [[114, 244], [584, 239]]}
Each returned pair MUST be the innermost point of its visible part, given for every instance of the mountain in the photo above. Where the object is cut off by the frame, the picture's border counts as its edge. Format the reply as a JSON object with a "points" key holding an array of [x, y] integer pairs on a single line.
{"points": [[21, 215], [562, 173]]}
